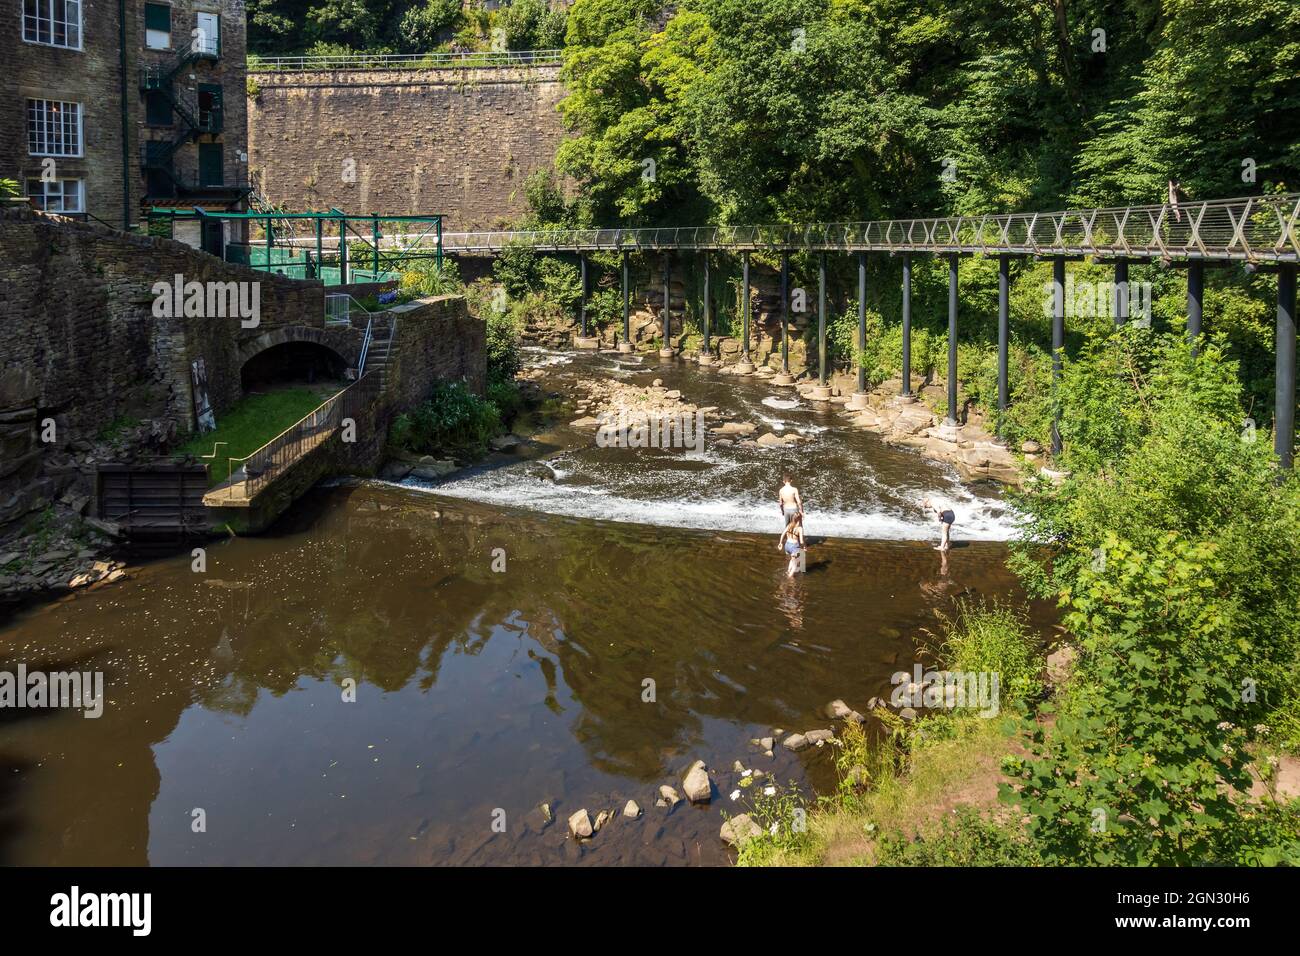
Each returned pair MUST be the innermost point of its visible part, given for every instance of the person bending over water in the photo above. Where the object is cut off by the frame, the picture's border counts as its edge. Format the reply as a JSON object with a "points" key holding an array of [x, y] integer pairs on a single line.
{"points": [[791, 503], [792, 543], [946, 518]]}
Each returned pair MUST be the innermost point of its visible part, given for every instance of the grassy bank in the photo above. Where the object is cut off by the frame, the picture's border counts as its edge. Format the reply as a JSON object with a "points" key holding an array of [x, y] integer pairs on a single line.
{"points": [[252, 422]]}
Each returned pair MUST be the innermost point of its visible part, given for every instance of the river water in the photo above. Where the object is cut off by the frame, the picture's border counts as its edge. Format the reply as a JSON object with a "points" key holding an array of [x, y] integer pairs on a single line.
{"points": [[500, 630]]}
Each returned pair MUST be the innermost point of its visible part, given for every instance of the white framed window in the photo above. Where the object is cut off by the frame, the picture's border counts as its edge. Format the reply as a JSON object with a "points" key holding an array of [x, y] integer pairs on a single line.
{"points": [[53, 22], [58, 195], [53, 128], [158, 26]]}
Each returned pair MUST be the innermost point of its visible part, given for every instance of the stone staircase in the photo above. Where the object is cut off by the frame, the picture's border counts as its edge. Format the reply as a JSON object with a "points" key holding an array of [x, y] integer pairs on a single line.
{"points": [[383, 349]]}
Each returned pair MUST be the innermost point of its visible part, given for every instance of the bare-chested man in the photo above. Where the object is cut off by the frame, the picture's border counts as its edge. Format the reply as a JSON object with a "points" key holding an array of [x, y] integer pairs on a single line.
{"points": [[791, 503]]}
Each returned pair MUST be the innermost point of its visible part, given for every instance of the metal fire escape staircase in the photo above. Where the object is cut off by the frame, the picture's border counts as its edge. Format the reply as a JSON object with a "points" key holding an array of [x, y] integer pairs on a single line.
{"points": [[157, 155]]}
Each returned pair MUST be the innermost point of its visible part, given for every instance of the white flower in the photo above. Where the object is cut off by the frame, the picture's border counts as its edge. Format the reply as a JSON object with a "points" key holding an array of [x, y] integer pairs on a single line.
{"points": [[735, 795], [769, 791], [747, 773]]}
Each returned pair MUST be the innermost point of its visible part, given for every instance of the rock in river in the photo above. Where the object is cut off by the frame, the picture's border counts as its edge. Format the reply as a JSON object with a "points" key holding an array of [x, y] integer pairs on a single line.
{"points": [[631, 810], [580, 825], [696, 784], [739, 830], [669, 797], [796, 742]]}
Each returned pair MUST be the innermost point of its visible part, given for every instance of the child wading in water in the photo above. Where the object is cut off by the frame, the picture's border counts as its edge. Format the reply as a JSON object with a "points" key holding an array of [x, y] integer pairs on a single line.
{"points": [[946, 518], [792, 543]]}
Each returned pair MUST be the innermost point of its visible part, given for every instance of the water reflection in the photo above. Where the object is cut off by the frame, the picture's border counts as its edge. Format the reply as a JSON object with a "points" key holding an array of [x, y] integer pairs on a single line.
{"points": [[475, 689]]}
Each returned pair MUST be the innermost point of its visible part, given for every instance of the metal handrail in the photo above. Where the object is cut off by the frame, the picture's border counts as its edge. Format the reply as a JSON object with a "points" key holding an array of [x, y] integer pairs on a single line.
{"points": [[1254, 229], [404, 61], [279, 454]]}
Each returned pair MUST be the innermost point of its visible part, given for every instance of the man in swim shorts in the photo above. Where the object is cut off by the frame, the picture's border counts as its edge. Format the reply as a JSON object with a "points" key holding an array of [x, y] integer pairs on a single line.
{"points": [[791, 503], [946, 518]]}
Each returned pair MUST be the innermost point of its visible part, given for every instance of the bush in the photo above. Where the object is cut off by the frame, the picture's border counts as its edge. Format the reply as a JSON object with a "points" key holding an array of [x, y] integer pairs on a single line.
{"points": [[427, 278], [990, 637], [423, 26], [1142, 764], [453, 420], [968, 839]]}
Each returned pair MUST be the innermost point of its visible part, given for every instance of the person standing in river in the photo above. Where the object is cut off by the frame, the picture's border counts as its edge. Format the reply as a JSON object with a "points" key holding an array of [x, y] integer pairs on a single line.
{"points": [[792, 543], [789, 500], [946, 518]]}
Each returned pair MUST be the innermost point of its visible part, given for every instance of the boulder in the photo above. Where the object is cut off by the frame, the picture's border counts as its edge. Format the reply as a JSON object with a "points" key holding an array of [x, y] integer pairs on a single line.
{"points": [[580, 825], [631, 810], [1059, 662], [795, 742], [669, 796], [769, 440], [819, 736], [837, 709], [739, 830], [430, 468], [696, 784]]}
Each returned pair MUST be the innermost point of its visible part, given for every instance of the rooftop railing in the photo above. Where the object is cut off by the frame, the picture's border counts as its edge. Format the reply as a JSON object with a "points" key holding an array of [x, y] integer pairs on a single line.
{"points": [[404, 61]]}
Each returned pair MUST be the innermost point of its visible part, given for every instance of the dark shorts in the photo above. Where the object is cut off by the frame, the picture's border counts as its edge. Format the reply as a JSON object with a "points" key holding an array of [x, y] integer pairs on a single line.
{"points": [[947, 517]]}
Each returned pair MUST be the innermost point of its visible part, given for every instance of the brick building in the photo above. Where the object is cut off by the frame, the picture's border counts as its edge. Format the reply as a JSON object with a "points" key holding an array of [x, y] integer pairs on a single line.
{"points": [[110, 106]]}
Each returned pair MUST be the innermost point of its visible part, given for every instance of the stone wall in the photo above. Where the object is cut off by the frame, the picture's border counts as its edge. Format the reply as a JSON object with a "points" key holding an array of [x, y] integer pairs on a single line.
{"points": [[457, 142], [83, 348], [437, 340]]}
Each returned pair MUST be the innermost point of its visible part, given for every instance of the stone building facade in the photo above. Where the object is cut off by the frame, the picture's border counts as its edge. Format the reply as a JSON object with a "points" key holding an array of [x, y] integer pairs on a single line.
{"points": [[452, 141], [110, 106]]}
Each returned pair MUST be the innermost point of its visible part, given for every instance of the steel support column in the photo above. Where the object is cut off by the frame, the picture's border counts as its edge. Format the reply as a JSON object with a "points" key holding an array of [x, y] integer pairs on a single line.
{"points": [[666, 349], [1285, 398], [746, 364], [582, 301], [821, 319], [952, 339], [627, 322], [1120, 292], [1195, 297], [862, 321], [1058, 345], [907, 324], [785, 313], [1004, 394], [706, 353]]}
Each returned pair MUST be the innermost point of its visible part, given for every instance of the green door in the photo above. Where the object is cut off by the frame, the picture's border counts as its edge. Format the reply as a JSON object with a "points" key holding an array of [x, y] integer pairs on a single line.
{"points": [[210, 163]]}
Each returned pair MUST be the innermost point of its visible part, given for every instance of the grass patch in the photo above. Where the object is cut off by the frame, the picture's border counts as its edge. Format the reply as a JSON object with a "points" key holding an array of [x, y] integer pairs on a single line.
{"points": [[251, 423]]}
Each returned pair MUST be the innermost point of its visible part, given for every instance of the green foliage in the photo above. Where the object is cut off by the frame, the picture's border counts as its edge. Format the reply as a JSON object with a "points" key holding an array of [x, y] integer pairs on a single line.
{"points": [[425, 277], [1142, 766], [993, 637], [532, 25], [8, 188], [425, 25], [967, 839], [454, 419]]}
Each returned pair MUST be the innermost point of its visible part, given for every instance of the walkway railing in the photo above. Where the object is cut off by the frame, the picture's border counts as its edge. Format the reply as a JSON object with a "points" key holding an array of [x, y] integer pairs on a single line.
{"points": [[284, 450], [404, 61], [1256, 229]]}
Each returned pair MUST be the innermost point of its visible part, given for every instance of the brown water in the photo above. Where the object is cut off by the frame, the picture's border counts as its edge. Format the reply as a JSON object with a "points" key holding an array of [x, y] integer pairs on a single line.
{"points": [[478, 691]]}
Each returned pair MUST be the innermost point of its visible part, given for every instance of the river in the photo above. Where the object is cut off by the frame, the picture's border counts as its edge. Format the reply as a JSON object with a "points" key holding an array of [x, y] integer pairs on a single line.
{"points": [[499, 629]]}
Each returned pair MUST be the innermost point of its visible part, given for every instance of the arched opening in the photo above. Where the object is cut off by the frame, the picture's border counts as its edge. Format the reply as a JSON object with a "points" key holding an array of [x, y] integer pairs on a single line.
{"points": [[291, 364]]}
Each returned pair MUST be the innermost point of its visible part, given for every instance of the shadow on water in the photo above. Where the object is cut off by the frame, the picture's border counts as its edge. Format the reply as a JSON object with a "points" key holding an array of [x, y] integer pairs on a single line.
{"points": [[477, 689]]}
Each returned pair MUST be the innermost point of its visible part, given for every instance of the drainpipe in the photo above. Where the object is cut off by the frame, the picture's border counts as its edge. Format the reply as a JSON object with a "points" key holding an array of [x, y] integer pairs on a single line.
{"points": [[126, 123]]}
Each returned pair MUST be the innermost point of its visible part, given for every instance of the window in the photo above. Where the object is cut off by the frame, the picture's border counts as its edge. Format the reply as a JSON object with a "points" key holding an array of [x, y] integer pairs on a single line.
{"points": [[53, 128], [157, 109], [59, 195], [157, 26], [53, 22]]}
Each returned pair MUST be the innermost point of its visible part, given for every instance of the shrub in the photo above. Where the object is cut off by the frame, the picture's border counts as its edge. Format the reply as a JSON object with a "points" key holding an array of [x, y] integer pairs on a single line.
{"points": [[991, 637], [967, 839], [453, 420]]}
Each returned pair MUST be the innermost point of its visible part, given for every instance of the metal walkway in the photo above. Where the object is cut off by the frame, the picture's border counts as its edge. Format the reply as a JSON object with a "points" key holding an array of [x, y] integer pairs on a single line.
{"points": [[1255, 229]]}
